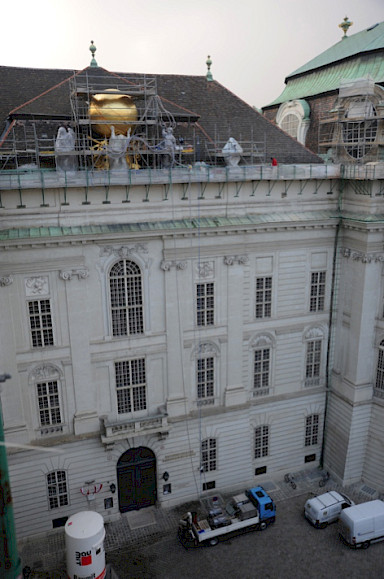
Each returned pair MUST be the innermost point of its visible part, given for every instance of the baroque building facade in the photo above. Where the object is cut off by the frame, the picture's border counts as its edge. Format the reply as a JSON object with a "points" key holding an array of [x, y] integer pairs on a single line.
{"points": [[184, 327]]}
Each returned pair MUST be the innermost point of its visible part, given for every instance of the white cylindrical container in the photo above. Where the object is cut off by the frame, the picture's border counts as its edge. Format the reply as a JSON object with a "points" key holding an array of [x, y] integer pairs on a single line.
{"points": [[84, 539]]}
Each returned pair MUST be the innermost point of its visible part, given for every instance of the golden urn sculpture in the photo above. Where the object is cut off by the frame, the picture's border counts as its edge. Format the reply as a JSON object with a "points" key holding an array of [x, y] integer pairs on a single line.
{"points": [[112, 108]]}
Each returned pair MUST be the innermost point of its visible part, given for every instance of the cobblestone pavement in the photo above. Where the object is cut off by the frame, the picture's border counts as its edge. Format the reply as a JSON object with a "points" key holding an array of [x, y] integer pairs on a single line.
{"points": [[289, 548]]}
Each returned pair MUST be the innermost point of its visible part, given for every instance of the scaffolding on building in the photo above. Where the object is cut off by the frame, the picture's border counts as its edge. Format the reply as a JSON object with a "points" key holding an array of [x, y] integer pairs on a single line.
{"points": [[352, 130], [30, 141]]}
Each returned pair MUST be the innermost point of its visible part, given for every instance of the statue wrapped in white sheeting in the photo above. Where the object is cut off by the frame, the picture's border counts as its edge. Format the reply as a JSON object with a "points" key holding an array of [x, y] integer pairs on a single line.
{"points": [[232, 152], [117, 150], [65, 150]]}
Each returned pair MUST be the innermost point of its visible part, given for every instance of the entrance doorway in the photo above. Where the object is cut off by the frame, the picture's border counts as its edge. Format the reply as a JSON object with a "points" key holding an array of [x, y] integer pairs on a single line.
{"points": [[136, 479]]}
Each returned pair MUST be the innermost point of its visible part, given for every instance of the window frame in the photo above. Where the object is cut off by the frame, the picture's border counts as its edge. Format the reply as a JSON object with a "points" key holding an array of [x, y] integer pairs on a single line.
{"points": [[49, 406], [38, 326], [263, 297], [317, 291], [205, 304], [261, 374], [209, 454], [312, 430], [313, 361], [205, 377], [126, 299], [58, 494], [261, 439], [131, 393]]}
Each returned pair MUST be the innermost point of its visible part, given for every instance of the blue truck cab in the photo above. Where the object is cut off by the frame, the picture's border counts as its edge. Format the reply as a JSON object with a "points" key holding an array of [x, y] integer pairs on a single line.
{"points": [[263, 503]]}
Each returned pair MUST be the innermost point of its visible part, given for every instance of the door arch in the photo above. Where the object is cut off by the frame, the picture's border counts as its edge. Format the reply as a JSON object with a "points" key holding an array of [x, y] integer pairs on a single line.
{"points": [[136, 479]]}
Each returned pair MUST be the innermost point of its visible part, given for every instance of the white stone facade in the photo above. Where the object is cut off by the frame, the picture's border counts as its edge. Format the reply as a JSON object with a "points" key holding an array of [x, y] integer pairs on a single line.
{"points": [[291, 314]]}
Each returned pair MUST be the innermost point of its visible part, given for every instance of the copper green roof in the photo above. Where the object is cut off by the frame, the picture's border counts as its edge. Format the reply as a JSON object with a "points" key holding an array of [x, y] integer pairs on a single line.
{"points": [[365, 41], [34, 233], [353, 57]]}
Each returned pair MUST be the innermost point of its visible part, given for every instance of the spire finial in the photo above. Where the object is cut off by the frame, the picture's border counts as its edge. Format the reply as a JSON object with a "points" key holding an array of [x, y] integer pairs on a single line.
{"points": [[345, 25], [92, 48], [208, 62]]}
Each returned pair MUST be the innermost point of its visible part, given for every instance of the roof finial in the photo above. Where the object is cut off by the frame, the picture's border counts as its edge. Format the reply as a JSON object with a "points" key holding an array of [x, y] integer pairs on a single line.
{"points": [[345, 25], [92, 48], [208, 62]]}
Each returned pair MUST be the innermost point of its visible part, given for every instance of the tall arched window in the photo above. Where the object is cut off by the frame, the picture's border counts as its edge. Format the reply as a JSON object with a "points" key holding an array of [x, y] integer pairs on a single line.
{"points": [[126, 291]]}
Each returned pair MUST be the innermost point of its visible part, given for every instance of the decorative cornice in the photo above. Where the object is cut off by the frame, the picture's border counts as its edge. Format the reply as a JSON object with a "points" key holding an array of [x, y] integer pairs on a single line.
{"points": [[361, 256], [240, 259], [166, 265], [68, 274], [6, 280]]}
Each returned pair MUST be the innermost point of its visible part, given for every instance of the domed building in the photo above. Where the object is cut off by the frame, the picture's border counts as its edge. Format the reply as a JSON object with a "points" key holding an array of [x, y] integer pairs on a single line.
{"points": [[334, 104]]}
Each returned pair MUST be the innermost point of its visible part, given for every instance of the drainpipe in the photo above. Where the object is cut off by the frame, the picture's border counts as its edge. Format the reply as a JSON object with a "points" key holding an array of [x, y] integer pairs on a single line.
{"points": [[331, 311]]}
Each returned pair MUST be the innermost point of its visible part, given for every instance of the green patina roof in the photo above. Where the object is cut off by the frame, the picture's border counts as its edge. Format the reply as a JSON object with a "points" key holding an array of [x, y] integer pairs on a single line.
{"points": [[348, 59], [34, 233]]}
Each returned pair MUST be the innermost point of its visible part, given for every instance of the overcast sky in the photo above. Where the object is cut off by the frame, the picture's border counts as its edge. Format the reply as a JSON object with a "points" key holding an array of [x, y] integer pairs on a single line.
{"points": [[253, 44]]}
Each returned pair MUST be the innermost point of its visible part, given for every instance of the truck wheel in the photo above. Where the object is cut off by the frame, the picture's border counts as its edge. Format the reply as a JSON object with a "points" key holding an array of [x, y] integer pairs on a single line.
{"points": [[366, 544], [213, 541], [322, 525], [263, 526]]}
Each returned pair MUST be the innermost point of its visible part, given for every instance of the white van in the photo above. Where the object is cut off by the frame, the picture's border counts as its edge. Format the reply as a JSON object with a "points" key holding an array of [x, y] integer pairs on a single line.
{"points": [[326, 508], [362, 524]]}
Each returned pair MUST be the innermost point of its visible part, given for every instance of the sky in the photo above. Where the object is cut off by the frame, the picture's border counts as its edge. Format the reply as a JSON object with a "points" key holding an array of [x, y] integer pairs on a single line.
{"points": [[253, 44]]}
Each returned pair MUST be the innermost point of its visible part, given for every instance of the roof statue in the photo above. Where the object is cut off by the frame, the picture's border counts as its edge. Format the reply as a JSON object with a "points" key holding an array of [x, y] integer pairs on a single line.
{"points": [[345, 25], [92, 48], [209, 64]]}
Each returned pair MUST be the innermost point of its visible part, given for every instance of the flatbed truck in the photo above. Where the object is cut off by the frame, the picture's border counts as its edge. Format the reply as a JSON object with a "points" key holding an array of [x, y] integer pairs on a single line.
{"points": [[250, 510]]}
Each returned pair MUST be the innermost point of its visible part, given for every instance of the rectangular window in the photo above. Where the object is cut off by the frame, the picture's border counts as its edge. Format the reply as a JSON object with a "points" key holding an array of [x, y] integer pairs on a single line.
{"points": [[317, 291], [205, 304], [311, 429], [131, 385], [263, 297], [312, 369], [40, 322], [261, 441], [49, 403], [380, 368], [57, 489], [208, 454], [261, 368], [205, 377]]}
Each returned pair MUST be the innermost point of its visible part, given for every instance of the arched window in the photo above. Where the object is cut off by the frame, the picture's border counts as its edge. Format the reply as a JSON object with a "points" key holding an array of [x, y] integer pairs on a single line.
{"points": [[126, 291], [290, 124], [293, 118]]}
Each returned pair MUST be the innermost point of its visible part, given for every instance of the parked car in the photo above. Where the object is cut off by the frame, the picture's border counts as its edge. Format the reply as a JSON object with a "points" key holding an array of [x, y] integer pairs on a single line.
{"points": [[326, 508]]}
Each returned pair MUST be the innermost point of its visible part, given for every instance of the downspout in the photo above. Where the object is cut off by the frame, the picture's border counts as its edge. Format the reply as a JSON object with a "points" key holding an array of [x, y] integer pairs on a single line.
{"points": [[332, 309]]}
